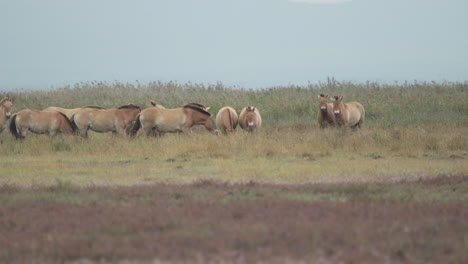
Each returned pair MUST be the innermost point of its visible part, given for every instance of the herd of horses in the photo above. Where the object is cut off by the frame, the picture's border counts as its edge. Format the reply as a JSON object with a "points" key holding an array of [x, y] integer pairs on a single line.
{"points": [[157, 120]]}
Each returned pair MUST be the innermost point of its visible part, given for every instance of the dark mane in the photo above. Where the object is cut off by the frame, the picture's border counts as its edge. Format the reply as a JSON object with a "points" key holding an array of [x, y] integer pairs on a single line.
{"points": [[68, 121], [197, 105], [129, 106], [189, 106], [94, 106]]}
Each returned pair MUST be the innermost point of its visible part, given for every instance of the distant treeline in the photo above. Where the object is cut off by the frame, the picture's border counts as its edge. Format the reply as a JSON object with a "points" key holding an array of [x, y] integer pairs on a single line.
{"points": [[293, 105]]}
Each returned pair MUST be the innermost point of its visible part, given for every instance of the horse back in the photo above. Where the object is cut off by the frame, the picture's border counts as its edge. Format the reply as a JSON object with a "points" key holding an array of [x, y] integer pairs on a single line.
{"points": [[166, 119], [355, 113]]}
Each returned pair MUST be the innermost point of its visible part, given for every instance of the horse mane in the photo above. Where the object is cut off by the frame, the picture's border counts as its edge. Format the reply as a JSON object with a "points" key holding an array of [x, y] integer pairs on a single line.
{"points": [[94, 106], [189, 106], [4, 100], [129, 106], [69, 122], [250, 108], [197, 105]]}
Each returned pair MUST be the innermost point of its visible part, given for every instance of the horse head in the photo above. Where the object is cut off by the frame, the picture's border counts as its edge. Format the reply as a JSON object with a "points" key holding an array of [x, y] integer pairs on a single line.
{"points": [[211, 126], [323, 103], [251, 117], [337, 104], [7, 105]]}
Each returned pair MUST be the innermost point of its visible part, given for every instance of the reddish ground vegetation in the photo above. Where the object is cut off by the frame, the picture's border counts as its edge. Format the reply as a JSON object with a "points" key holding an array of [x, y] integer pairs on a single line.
{"points": [[194, 223]]}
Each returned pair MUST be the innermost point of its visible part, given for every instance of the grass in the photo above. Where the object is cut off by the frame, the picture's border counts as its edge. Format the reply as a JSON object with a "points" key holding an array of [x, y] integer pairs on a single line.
{"points": [[386, 105], [422, 222], [283, 155], [394, 191]]}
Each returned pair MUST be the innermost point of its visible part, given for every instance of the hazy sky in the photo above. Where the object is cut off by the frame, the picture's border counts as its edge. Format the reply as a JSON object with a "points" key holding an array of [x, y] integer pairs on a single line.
{"points": [[248, 43]]}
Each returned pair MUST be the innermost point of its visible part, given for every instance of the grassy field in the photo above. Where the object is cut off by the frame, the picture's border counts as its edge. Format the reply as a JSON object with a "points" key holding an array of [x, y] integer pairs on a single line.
{"points": [[393, 191], [420, 221]]}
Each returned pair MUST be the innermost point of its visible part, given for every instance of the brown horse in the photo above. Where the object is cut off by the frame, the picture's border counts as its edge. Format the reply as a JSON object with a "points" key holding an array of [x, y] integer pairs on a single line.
{"points": [[106, 120], [156, 121], [325, 116], [70, 112], [250, 119], [348, 114], [6, 106], [40, 122], [226, 119]]}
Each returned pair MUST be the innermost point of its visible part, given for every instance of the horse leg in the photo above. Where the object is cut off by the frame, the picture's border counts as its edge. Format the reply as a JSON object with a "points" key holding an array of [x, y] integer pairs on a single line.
{"points": [[84, 133], [121, 131], [52, 133], [149, 131]]}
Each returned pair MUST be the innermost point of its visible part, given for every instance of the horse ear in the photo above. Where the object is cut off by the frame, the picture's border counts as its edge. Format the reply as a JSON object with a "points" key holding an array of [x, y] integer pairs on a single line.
{"points": [[208, 108], [153, 103]]}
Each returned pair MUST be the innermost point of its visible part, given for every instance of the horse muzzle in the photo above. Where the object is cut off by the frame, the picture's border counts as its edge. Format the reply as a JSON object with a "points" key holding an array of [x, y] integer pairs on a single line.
{"points": [[8, 115], [323, 109], [216, 132], [337, 113]]}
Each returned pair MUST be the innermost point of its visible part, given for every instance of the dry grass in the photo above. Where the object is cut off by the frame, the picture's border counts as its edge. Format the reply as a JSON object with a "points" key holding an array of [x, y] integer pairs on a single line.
{"points": [[279, 155]]}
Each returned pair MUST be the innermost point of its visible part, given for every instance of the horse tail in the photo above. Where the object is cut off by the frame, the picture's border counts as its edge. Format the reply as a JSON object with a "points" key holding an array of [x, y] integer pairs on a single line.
{"points": [[73, 124], [13, 128], [230, 119], [68, 122], [136, 126]]}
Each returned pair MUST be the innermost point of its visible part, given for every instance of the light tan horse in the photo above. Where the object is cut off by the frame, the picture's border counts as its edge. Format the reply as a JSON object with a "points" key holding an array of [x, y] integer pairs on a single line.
{"points": [[70, 112], [115, 120], [250, 119], [6, 107], [157, 122], [325, 116], [227, 119], [348, 114], [40, 122]]}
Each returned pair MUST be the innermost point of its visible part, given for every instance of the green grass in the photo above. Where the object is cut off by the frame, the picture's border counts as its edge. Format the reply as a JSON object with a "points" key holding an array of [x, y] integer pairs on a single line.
{"points": [[387, 105], [411, 130]]}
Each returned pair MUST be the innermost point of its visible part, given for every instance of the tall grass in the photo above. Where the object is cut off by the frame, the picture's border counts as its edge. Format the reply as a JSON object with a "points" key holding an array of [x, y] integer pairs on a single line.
{"points": [[385, 104]]}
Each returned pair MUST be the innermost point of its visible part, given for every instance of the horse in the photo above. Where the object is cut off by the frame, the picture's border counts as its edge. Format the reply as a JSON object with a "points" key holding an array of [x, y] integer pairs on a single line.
{"points": [[70, 112], [116, 120], [325, 116], [157, 122], [40, 122], [250, 119], [227, 119], [6, 106], [348, 114]]}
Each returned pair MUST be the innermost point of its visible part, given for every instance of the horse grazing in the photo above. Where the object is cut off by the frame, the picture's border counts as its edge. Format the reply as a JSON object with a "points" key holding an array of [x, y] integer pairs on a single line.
{"points": [[325, 116], [348, 114], [70, 112], [157, 122], [40, 122], [226, 119], [6, 106], [116, 120], [250, 119]]}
